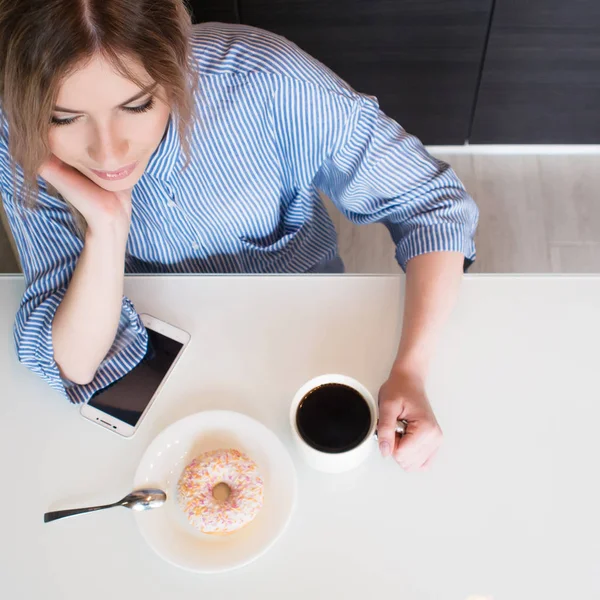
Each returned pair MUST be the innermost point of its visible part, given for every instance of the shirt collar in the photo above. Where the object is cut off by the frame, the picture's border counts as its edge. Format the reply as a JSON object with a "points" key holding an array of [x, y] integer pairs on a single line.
{"points": [[165, 157]]}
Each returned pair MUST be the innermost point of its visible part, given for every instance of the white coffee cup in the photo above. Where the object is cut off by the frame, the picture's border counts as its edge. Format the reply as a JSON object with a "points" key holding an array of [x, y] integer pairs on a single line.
{"points": [[340, 461]]}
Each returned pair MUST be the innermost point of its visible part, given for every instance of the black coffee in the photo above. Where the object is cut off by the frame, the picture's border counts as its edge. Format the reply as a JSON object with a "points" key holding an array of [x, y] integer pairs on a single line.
{"points": [[333, 418]]}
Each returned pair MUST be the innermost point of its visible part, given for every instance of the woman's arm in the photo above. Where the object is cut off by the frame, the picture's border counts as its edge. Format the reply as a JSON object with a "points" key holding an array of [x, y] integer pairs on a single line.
{"points": [[50, 253], [86, 322], [384, 174], [375, 172], [432, 284]]}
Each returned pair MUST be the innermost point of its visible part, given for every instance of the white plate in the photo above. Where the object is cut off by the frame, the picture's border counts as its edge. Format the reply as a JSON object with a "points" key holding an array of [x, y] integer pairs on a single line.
{"points": [[167, 530]]}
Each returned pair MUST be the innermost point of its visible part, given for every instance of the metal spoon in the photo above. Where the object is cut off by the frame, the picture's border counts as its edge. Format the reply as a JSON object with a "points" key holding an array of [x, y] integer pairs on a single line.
{"points": [[139, 500]]}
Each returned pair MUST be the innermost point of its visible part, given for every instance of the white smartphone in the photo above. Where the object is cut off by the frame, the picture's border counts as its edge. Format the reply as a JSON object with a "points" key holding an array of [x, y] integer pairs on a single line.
{"points": [[122, 405]]}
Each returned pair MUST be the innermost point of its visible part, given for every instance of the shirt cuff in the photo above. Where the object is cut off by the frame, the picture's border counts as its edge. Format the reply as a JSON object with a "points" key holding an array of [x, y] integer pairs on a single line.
{"points": [[441, 237], [127, 351]]}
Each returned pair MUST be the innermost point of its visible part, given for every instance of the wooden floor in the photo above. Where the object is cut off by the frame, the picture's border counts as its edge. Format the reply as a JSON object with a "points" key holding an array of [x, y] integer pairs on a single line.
{"points": [[539, 214]]}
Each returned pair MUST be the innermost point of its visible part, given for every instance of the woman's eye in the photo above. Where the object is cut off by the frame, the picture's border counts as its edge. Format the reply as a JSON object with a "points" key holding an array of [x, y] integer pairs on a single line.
{"points": [[140, 109], [55, 121], [148, 105]]}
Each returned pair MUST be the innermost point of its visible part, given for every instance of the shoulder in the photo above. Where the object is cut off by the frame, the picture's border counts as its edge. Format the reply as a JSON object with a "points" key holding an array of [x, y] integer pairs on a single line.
{"points": [[228, 49]]}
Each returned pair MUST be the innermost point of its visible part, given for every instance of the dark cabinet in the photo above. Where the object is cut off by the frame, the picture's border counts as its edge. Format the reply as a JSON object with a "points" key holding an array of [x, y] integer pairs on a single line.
{"points": [[486, 71], [541, 77], [222, 11], [421, 58]]}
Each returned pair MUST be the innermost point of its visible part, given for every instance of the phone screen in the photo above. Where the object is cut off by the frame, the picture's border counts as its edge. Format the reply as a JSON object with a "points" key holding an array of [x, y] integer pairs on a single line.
{"points": [[127, 398]]}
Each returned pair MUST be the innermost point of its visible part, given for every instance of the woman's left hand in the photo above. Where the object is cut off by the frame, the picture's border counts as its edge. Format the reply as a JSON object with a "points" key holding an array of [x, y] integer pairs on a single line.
{"points": [[403, 396]]}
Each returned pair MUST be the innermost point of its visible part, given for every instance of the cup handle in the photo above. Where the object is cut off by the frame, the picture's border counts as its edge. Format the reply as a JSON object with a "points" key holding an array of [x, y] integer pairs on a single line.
{"points": [[401, 426]]}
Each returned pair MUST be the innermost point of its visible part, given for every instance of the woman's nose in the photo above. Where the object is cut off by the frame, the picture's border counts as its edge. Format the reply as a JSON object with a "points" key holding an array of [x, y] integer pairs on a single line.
{"points": [[108, 149]]}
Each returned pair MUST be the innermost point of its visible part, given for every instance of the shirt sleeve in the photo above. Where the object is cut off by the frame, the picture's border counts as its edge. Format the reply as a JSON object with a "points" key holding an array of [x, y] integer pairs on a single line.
{"points": [[49, 249], [380, 173], [371, 168]]}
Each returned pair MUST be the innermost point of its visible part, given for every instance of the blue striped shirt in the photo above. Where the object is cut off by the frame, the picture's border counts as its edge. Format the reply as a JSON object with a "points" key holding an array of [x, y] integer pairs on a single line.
{"points": [[275, 127]]}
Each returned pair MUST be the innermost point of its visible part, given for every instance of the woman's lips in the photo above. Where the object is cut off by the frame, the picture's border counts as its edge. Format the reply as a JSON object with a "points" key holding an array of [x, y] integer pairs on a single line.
{"points": [[116, 175]]}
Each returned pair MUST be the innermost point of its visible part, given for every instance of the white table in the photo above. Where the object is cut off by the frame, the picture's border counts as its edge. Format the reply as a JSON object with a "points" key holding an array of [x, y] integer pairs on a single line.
{"points": [[510, 509]]}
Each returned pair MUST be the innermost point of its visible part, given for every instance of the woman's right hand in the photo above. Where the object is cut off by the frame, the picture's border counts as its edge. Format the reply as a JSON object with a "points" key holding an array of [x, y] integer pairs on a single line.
{"points": [[102, 210]]}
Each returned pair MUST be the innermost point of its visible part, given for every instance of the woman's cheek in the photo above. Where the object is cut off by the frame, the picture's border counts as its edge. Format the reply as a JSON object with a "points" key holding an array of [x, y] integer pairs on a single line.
{"points": [[63, 145]]}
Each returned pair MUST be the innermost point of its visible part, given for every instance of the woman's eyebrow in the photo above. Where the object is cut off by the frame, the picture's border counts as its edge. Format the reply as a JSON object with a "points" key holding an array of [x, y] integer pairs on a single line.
{"points": [[141, 93]]}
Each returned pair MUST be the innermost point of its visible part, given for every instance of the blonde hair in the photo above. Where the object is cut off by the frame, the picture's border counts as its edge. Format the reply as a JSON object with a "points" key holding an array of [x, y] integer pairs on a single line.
{"points": [[42, 41]]}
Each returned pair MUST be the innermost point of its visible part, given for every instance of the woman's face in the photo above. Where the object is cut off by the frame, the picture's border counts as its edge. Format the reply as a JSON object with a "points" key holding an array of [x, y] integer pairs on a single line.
{"points": [[106, 126]]}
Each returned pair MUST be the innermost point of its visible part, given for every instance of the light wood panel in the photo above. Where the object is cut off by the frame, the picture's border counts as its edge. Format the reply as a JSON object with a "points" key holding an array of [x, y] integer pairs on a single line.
{"points": [[575, 258], [570, 186]]}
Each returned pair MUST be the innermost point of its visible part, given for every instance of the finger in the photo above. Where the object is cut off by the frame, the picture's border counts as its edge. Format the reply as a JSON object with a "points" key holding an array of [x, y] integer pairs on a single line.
{"points": [[386, 428], [415, 447]]}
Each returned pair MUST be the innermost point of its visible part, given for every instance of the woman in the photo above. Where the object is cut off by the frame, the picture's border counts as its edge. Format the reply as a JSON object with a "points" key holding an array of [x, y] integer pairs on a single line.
{"points": [[186, 150]]}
